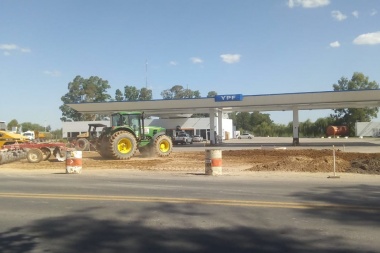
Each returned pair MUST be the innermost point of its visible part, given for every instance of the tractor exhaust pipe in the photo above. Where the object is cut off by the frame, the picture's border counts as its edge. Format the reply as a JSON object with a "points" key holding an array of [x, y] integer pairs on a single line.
{"points": [[143, 127]]}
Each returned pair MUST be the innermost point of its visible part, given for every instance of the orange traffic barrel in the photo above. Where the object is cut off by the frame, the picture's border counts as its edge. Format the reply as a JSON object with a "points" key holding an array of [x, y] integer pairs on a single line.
{"points": [[213, 162], [74, 161]]}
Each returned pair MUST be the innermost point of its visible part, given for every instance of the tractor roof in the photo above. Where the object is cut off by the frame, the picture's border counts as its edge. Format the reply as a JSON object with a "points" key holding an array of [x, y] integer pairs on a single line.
{"points": [[127, 113]]}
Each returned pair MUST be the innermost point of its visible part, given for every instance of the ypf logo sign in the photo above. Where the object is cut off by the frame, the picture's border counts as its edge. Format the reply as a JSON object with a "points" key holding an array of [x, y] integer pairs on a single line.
{"points": [[230, 97]]}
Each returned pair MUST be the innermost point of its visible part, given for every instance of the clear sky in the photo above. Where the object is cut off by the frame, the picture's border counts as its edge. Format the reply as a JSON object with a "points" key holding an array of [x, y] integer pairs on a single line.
{"points": [[232, 47]]}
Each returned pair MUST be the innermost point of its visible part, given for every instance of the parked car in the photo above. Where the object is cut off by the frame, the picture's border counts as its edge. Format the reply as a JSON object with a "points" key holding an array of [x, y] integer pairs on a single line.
{"points": [[197, 138], [245, 136], [182, 138]]}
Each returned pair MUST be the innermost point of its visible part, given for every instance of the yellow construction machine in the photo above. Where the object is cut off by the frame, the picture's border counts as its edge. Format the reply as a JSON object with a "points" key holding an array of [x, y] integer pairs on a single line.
{"points": [[10, 138]]}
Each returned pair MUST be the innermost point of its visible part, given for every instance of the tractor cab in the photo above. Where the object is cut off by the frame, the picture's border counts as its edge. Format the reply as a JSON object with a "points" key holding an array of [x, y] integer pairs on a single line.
{"points": [[131, 120], [93, 130]]}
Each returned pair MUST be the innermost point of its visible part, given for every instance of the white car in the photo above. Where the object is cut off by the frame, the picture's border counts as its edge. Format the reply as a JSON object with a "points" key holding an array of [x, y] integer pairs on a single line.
{"points": [[245, 136], [197, 138]]}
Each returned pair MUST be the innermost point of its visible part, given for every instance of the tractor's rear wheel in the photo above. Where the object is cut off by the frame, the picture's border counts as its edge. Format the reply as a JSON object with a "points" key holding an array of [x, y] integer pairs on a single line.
{"points": [[162, 145], [34, 155], [102, 147], [82, 144], [123, 145]]}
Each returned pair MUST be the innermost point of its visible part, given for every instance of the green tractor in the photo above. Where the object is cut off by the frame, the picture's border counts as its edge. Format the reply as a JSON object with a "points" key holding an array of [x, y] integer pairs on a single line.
{"points": [[127, 133]]}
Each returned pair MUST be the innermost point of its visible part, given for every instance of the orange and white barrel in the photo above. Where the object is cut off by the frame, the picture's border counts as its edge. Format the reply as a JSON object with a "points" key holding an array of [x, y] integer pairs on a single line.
{"points": [[213, 162], [74, 161]]}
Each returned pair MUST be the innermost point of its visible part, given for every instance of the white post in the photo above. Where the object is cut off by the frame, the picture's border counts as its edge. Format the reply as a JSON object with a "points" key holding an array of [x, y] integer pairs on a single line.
{"points": [[334, 160], [335, 176]]}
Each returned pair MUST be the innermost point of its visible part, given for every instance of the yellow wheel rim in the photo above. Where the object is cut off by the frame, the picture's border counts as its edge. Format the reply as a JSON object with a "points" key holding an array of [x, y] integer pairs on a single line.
{"points": [[164, 146], [124, 146]]}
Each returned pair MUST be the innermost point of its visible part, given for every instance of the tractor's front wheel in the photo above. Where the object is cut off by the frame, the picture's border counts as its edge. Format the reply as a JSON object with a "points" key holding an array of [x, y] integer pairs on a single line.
{"points": [[163, 145], [123, 145]]}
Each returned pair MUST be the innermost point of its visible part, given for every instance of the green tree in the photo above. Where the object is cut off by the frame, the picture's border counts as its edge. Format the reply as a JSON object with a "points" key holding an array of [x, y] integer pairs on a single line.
{"points": [[289, 128], [282, 130], [174, 92], [131, 93], [145, 94], [264, 129], [256, 118], [11, 124], [95, 90], [187, 93], [348, 116], [306, 129], [57, 134], [243, 121], [196, 94], [211, 94], [178, 92], [119, 95], [83, 90], [261, 124], [29, 126], [232, 116]]}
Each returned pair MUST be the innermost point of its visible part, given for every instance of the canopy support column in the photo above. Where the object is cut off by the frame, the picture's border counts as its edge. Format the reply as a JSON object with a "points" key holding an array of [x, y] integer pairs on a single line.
{"points": [[296, 139], [212, 126], [220, 126]]}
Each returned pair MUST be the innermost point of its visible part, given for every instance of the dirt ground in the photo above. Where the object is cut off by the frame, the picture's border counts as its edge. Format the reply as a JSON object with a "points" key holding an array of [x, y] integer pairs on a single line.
{"points": [[306, 160]]}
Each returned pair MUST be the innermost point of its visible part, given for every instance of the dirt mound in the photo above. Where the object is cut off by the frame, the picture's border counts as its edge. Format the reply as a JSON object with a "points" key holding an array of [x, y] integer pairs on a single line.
{"points": [[314, 161], [233, 160]]}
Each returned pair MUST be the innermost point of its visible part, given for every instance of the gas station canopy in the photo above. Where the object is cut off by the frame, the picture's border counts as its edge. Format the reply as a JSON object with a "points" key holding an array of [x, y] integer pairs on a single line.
{"points": [[240, 103]]}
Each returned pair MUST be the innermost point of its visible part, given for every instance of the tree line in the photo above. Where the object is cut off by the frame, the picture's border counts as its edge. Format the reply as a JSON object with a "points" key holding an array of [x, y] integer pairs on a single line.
{"points": [[260, 124], [28, 126]]}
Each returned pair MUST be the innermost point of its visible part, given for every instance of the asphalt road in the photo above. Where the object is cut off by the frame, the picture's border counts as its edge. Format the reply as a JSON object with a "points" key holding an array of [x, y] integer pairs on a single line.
{"points": [[124, 211]]}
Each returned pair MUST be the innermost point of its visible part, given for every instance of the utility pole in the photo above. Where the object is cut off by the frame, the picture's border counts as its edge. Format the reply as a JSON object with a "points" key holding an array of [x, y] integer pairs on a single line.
{"points": [[146, 74]]}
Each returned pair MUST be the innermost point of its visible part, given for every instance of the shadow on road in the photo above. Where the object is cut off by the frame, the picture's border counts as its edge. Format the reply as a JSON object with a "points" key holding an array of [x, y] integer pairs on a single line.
{"points": [[81, 232], [362, 201]]}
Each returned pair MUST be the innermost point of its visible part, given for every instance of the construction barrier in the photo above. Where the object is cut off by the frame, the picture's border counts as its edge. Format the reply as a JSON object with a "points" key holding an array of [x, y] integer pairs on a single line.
{"points": [[73, 161], [213, 162]]}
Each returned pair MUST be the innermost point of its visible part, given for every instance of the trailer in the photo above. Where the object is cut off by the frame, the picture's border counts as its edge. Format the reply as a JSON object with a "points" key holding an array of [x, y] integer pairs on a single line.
{"points": [[34, 152]]}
